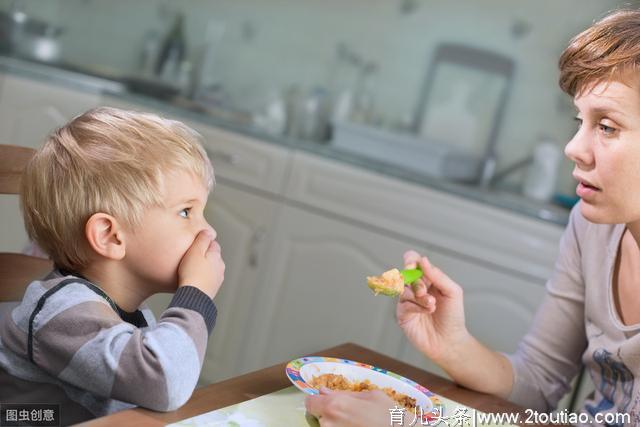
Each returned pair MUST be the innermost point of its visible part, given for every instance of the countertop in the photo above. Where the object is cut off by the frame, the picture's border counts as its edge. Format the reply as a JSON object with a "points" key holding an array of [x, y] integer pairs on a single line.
{"points": [[98, 81]]}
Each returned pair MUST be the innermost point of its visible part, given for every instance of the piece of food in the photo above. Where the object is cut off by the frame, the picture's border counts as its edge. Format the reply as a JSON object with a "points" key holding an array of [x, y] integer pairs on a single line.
{"points": [[339, 382], [390, 283]]}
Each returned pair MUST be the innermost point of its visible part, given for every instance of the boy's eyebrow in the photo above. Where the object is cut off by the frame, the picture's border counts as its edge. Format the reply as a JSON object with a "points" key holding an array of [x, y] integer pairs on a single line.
{"points": [[186, 201]]}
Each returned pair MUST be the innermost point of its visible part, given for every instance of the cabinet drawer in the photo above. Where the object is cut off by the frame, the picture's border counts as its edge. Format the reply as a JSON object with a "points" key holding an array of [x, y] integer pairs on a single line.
{"points": [[434, 218], [245, 160]]}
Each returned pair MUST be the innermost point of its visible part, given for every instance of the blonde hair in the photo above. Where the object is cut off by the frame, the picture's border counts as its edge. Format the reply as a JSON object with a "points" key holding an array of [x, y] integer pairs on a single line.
{"points": [[105, 160], [608, 50]]}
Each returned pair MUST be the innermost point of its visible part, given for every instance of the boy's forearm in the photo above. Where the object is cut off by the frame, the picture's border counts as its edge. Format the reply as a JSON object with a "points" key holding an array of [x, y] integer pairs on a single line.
{"points": [[473, 365]]}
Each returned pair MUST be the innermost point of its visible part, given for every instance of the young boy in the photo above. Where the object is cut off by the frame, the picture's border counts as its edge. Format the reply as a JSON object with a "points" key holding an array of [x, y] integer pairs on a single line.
{"points": [[116, 198]]}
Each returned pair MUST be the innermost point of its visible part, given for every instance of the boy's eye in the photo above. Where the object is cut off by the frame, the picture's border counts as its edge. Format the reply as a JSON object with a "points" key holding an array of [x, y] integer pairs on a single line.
{"points": [[185, 212]]}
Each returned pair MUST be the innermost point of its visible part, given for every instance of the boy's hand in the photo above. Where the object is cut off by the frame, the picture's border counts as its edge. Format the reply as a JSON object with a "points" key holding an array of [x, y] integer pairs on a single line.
{"points": [[202, 265]]}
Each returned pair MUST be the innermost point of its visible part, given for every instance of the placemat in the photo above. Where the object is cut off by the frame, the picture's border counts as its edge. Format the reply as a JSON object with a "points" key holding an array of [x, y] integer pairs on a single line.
{"points": [[286, 408]]}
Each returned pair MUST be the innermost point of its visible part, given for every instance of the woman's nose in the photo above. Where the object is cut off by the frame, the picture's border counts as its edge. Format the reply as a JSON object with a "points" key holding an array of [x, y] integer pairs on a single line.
{"points": [[578, 149]]}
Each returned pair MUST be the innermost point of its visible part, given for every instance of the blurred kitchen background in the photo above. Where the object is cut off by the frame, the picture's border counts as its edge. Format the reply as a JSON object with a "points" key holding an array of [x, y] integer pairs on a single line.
{"points": [[290, 67], [342, 133]]}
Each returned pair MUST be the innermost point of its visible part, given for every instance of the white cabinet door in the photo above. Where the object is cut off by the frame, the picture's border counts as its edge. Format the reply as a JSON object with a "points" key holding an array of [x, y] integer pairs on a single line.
{"points": [[243, 222], [315, 294], [29, 110], [501, 259]]}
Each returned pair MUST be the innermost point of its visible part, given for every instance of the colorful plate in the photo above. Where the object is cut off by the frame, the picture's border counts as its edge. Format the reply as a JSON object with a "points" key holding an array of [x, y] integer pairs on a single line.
{"points": [[301, 371]]}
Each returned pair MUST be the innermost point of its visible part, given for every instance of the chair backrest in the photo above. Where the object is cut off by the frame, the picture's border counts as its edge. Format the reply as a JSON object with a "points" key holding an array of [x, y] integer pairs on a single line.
{"points": [[17, 270]]}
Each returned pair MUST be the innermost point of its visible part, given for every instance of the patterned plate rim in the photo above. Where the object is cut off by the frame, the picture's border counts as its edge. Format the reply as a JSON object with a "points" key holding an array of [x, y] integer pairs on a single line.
{"points": [[293, 373]]}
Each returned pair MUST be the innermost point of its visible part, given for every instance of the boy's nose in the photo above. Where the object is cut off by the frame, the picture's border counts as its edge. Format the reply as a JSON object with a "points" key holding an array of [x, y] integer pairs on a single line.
{"points": [[212, 231]]}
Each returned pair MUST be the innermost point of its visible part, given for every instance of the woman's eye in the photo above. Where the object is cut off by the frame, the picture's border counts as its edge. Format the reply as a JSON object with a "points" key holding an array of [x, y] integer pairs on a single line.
{"points": [[185, 212], [607, 130]]}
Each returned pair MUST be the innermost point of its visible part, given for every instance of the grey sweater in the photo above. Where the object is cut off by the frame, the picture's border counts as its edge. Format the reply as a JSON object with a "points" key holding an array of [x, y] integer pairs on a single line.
{"points": [[578, 324], [67, 342]]}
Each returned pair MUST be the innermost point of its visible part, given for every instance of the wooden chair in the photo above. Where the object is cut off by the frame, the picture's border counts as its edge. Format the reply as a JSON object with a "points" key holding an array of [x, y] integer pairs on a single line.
{"points": [[17, 270]]}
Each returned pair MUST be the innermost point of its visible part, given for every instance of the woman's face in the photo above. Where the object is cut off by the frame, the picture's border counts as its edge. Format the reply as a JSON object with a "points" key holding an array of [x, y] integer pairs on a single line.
{"points": [[606, 152]]}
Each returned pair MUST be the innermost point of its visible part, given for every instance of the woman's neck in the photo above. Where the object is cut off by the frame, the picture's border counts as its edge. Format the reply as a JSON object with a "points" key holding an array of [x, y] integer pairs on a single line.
{"points": [[634, 229]]}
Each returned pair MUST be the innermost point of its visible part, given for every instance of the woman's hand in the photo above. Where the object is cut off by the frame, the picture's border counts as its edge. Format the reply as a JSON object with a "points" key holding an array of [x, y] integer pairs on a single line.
{"points": [[431, 312], [351, 409]]}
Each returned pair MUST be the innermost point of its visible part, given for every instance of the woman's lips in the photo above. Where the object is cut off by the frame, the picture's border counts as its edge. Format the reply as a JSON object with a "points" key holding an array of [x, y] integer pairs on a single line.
{"points": [[586, 191]]}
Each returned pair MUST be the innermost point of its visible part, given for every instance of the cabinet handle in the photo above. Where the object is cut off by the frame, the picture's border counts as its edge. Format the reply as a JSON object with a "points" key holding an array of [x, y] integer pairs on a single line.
{"points": [[254, 250], [229, 158]]}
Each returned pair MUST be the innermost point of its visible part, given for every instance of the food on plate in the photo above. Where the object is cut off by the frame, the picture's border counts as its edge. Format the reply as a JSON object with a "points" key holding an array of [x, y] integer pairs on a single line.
{"points": [[390, 283], [339, 382]]}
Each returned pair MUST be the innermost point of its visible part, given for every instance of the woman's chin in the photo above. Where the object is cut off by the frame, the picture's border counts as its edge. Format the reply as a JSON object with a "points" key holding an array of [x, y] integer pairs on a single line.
{"points": [[598, 214]]}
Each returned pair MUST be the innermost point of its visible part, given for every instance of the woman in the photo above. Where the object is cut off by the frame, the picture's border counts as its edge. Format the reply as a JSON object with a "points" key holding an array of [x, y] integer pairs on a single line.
{"points": [[591, 312]]}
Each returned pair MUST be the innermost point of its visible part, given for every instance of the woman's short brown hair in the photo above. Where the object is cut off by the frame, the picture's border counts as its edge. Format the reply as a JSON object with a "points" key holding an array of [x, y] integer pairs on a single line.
{"points": [[608, 50]]}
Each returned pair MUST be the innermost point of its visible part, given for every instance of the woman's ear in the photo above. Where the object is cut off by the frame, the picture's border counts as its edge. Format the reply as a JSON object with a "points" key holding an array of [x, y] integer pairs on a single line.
{"points": [[105, 236]]}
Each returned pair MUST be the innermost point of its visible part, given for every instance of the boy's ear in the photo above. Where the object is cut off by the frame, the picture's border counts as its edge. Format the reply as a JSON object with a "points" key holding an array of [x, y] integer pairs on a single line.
{"points": [[105, 236]]}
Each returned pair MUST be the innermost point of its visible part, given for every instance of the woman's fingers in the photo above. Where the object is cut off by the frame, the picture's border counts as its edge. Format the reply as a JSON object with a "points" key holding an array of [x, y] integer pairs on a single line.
{"points": [[411, 259], [326, 390], [438, 279], [433, 283], [315, 404], [408, 297], [420, 287]]}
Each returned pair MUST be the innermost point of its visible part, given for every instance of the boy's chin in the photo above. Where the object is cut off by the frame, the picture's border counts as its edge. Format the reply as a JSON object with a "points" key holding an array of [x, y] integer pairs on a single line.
{"points": [[166, 286]]}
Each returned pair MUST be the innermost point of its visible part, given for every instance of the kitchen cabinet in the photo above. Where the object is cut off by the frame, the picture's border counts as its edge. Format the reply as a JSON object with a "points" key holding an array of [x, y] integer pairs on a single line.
{"points": [[314, 293], [497, 238], [29, 111], [345, 223], [501, 259]]}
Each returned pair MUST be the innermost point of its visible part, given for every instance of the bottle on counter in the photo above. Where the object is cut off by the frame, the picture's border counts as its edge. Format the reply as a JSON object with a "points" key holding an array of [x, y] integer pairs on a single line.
{"points": [[314, 115], [172, 52], [272, 117], [540, 181], [150, 53]]}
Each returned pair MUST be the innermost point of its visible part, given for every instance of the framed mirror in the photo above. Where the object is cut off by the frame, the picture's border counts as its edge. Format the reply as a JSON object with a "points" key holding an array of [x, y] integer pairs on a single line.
{"points": [[463, 99]]}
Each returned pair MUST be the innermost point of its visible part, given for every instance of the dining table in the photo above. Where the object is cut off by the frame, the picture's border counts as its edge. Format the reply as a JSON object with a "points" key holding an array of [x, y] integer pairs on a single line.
{"points": [[271, 379]]}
